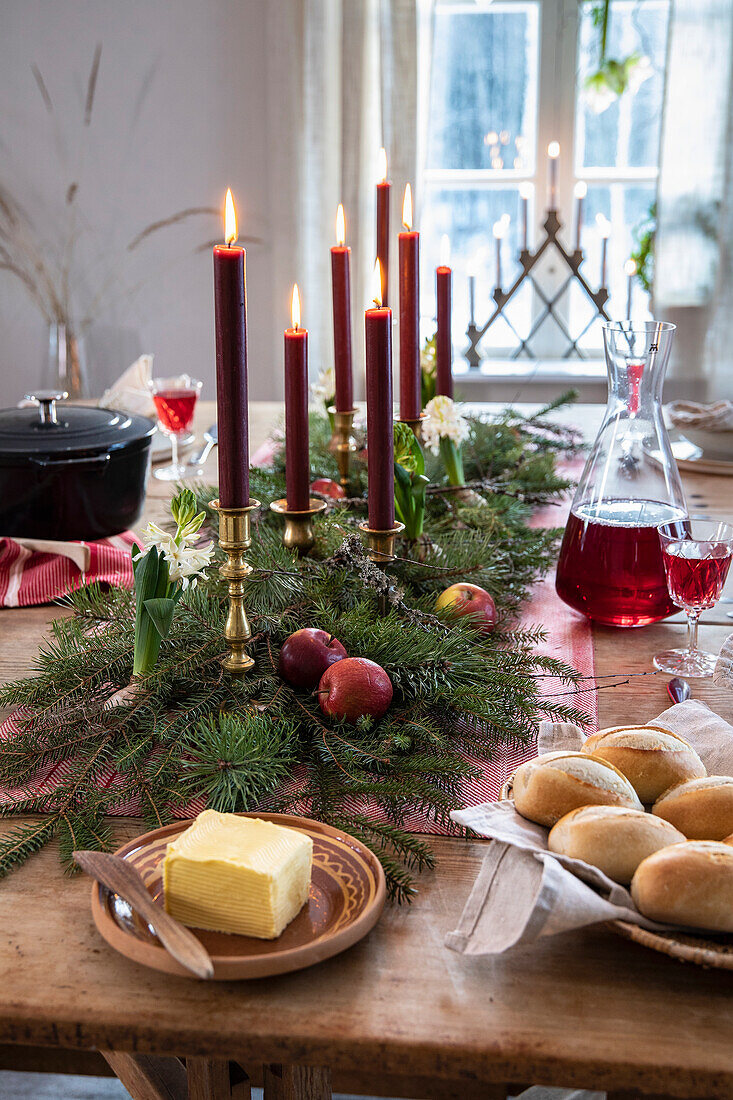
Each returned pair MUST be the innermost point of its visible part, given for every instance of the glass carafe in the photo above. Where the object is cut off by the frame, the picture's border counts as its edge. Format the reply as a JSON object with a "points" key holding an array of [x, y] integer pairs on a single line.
{"points": [[610, 565]]}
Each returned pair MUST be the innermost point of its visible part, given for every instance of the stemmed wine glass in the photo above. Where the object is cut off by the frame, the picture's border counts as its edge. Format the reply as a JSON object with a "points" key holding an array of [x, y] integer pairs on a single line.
{"points": [[175, 400], [697, 554]]}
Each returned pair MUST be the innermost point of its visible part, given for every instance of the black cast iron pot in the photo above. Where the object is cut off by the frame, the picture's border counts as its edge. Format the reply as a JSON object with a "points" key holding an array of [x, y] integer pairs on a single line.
{"points": [[71, 472]]}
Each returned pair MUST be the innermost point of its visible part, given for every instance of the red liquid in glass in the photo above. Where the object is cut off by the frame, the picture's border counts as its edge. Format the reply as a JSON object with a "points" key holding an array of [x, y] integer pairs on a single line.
{"points": [[610, 566], [175, 408], [696, 582]]}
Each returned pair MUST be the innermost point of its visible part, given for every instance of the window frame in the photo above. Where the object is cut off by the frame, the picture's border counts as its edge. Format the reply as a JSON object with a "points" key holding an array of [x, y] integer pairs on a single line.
{"points": [[558, 116]]}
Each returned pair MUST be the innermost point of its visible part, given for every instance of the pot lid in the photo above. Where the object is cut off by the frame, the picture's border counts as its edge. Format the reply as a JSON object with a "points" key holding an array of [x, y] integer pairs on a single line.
{"points": [[51, 428]]}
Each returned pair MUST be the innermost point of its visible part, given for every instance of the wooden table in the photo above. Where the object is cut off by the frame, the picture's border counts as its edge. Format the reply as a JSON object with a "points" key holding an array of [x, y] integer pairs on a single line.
{"points": [[398, 1014]]}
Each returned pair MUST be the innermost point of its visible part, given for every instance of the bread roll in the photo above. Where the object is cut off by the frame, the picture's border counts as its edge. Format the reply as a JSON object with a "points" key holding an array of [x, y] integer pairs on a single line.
{"points": [[550, 786], [729, 840], [702, 809], [689, 884], [611, 838], [651, 758]]}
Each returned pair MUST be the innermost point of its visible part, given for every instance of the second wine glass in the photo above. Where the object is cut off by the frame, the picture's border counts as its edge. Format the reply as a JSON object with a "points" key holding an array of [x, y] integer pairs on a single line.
{"points": [[696, 565], [175, 401]]}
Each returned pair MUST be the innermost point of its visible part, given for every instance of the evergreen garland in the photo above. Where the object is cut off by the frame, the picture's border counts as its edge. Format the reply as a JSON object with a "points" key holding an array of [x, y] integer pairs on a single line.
{"points": [[187, 729]]}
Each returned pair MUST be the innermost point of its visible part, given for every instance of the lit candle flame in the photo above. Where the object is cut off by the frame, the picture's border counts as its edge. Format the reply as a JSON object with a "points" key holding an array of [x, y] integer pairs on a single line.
{"points": [[604, 225], [553, 150], [382, 166], [340, 226], [230, 219], [407, 208], [581, 189], [630, 268], [445, 250], [525, 190], [377, 285], [295, 308]]}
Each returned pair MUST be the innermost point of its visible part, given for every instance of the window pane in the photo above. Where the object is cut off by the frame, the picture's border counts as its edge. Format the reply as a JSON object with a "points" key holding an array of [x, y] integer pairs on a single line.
{"points": [[467, 216], [626, 134], [626, 206], [483, 90]]}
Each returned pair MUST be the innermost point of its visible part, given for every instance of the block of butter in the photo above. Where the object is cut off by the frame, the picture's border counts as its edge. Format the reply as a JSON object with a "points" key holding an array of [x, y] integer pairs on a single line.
{"points": [[237, 874]]}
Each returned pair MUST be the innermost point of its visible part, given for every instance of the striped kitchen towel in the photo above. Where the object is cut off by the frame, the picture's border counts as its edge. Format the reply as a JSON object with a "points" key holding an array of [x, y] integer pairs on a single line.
{"points": [[36, 571]]}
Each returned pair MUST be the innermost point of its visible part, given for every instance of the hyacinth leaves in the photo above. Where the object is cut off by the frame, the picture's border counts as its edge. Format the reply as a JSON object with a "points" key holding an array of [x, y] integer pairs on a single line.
{"points": [[410, 481], [162, 574]]}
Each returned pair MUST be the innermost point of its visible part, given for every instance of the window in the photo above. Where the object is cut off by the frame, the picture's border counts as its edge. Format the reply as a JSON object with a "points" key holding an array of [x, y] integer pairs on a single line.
{"points": [[507, 77]]}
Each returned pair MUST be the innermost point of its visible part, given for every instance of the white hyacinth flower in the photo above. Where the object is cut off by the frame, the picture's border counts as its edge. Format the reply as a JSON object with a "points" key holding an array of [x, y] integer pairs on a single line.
{"points": [[157, 537], [323, 389], [186, 563], [443, 421]]}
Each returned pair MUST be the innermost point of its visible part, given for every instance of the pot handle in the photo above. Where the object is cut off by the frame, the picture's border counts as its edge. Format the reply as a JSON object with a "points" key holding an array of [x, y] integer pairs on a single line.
{"points": [[46, 400], [91, 460]]}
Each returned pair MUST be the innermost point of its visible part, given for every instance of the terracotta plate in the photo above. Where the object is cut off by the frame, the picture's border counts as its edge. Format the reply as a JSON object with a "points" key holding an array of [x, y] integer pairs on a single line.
{"points": [[347, 896]]}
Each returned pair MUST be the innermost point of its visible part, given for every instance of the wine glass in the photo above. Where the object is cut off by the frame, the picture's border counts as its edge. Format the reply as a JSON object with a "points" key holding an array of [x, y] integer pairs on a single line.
{"points": [[697, 554], [175, 400]]}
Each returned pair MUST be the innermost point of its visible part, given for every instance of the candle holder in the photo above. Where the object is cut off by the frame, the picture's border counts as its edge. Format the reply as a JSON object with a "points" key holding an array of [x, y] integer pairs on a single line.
{"points": [[549, 311], [416, 424], [342, 442], [298, 534], [381, 550], [234, 539]]}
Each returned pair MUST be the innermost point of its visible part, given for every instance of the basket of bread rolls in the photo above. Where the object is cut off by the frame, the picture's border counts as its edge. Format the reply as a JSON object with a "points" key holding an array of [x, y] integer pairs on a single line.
{"points": [[637, 803]]}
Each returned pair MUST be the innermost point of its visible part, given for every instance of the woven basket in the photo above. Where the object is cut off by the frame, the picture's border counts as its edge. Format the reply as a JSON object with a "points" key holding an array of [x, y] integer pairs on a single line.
{"points": [[714, 953], [703, 951]]}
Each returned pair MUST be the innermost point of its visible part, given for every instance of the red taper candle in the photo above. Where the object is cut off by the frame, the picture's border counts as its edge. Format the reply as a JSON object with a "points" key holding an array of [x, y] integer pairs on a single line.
{"points": [[384, 191], [230, 314], [443, 341], [341, 291], [409, 243], [297, 465], [380, 438]]}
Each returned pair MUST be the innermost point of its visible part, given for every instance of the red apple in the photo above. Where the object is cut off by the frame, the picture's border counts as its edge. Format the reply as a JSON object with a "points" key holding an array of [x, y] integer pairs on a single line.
{"points": [[328, 488], [306, 655], [465, 599], [355, 687]]}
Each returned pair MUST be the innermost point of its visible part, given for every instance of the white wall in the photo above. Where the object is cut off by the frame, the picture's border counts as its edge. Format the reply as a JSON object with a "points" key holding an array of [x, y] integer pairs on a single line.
{"points": [[180, 113]]}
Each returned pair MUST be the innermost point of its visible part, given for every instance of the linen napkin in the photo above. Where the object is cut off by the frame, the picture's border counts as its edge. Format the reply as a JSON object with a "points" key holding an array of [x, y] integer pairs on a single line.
{"points": [[716, 417], [723, 674], [131, 392], [523, 891], [37, 571]]}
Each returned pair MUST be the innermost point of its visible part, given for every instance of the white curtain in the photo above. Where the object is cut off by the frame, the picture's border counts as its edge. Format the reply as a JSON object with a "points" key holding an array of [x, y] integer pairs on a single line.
{"points": [[343, 81], [693, 283]]}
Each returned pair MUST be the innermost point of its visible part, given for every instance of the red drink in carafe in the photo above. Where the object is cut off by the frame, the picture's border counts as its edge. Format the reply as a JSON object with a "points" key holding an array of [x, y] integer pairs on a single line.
{"points": [[175, 408], [610, 566]]}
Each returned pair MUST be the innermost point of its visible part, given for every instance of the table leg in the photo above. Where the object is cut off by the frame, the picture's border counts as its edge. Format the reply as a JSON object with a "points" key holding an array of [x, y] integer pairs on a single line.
{"points": [[208, 1079], [297, 1082], [148, 1077]]}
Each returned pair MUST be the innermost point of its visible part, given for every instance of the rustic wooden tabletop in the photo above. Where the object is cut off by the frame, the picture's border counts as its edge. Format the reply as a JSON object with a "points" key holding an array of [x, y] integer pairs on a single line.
{"points": [[398, 1014]]}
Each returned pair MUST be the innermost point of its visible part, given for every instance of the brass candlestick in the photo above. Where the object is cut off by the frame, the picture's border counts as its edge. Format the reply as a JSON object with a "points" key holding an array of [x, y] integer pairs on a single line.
{"points": [[381, 550], [234, 539], [342, 443], [416, 424], [298, 534]]}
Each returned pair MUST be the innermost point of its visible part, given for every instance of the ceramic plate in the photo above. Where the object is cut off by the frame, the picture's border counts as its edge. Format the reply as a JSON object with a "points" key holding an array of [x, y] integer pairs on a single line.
{"points": [[347, 896]]}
